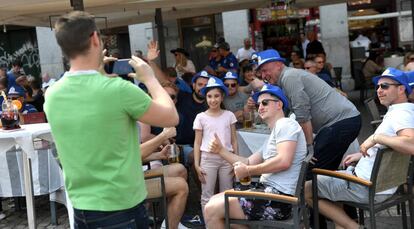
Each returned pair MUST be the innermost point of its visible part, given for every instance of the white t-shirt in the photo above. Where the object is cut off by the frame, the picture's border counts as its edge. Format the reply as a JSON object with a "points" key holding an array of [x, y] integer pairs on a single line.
{"points": [[286, 129], [399, 117], [243, 54], [211, 125], [188, 68]]}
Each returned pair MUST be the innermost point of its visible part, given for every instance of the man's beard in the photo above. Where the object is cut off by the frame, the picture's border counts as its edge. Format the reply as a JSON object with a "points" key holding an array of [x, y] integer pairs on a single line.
{"points": [[199, 97]]}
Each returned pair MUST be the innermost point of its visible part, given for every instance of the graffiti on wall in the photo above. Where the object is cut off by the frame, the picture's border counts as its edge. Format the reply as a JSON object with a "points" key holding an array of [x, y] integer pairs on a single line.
{"points": [[28, 54]]}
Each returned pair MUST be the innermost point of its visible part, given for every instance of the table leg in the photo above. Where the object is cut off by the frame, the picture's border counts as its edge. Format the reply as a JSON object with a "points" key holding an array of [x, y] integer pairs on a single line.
{"points": [[28, 186]]}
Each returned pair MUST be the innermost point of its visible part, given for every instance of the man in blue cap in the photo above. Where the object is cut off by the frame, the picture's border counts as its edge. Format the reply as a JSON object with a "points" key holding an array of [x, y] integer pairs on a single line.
{"points": [[278, 163], [319, 109], [236, 100], [229, 61], [396, 131]]}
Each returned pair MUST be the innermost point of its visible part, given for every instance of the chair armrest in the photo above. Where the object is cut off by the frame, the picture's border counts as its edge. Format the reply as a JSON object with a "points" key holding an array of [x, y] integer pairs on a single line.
{"points": [[262, 195], [343, 176], [149, 174]]}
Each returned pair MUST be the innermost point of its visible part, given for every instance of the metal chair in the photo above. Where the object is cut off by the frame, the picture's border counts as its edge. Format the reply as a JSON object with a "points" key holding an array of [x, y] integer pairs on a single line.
{"points": [[299, 210], [373, 110], [158, 194], [391, 169]]}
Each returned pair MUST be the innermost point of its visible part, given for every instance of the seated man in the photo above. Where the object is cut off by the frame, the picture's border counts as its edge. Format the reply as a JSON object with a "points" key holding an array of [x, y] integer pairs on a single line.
{"points": [[395, 131], [278, 163], [20, 95], [175, 176]]}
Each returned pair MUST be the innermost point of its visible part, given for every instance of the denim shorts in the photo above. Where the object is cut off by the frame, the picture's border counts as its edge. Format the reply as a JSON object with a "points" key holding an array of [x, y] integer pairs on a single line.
{"points": [[258, 209], [132, 218]]}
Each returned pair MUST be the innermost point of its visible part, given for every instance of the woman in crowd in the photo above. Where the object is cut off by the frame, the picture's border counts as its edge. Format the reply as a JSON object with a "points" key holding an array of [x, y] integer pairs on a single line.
{"points": [[182, 63]]}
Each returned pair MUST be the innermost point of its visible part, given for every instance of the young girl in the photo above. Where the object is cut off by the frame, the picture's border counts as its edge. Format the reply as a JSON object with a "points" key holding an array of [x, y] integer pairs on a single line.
{"points": [[214, 121]]}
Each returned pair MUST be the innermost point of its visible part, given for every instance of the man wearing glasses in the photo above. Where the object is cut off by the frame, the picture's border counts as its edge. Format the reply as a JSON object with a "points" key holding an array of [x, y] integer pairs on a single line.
{"points": [[319, 109], [278, 163], [396, 131], [236, 99]]}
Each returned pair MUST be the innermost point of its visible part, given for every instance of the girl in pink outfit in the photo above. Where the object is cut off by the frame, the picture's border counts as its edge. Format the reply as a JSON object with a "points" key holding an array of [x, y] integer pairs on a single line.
{"points": [[214, 121]]}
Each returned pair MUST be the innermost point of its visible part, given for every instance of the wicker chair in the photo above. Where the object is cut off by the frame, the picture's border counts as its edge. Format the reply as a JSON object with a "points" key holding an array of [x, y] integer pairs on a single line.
{"points": [[157, 195], [299, 210], [391, 169]]}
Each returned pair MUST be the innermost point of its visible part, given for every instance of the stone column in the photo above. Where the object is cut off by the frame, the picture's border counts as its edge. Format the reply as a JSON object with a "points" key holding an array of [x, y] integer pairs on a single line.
{"points": [[236, 28], [50, 55], [335, 40]]}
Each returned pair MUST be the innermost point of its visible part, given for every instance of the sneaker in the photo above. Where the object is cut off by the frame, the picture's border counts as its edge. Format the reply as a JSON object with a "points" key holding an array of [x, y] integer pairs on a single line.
{"points": [[2, 216], [180, 226]]}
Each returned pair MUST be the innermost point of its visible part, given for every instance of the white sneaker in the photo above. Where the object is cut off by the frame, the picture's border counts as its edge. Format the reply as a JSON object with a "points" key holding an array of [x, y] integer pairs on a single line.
{"points": [[180, 225], [2, 216]]}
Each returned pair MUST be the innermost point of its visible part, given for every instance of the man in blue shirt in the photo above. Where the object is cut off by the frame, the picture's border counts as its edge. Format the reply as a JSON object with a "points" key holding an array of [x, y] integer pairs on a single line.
{"points": [[229, 62], [19, 95], [12, 75]]}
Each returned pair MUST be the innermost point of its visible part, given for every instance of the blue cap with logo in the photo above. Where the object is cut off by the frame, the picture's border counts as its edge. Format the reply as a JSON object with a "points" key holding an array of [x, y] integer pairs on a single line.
{"points": [[266, 56], [273, 90], [214, 82], [410, 76], [396, 75], [231, 76], [203, 74]]}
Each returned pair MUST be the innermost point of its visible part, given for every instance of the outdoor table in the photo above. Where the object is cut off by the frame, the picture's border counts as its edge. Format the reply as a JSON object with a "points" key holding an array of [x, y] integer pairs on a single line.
{"points": [[252, 140], [24, 138]]}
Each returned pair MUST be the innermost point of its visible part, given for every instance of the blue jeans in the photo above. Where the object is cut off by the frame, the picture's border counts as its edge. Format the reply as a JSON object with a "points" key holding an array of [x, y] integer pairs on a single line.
{"points": [[331, 143], [132, 218]]}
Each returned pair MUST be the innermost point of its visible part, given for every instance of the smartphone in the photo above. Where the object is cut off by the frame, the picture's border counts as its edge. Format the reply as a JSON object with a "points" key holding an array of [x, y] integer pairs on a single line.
{"points": [[122, 67]]}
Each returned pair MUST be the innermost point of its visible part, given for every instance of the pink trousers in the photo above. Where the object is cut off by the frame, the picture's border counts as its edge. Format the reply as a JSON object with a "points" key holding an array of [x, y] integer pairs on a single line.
{"points": [[214, 165]]}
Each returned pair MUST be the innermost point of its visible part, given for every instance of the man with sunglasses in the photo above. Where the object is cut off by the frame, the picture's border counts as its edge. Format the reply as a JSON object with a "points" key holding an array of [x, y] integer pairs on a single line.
{"points": [[319, 109], [278, 163], [93, 121], [236, 99], [396, 131]]}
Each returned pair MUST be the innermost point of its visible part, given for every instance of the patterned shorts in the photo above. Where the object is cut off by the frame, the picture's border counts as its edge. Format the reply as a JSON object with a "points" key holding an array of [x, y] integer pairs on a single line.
{"points": [[257, 209]]}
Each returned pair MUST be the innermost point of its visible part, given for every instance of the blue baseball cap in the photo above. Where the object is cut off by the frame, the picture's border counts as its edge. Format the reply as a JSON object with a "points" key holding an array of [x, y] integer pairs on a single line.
{"points": [[214, 82], [16, 91], [396, 75], [410, 76], [269, 55], [231, 76], [203, 74], [273, 90], [253, 58]]}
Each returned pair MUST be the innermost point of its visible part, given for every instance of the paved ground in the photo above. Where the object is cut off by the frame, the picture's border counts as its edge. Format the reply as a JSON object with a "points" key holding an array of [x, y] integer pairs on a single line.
{"points": [[17, 219]]}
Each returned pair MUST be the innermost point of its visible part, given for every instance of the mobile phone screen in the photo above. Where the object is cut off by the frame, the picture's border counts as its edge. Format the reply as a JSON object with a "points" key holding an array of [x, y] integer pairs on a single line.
{"points": [[122, 67]]}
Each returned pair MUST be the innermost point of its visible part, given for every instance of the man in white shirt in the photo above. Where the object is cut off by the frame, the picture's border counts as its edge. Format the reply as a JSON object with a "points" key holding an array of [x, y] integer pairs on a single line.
{"points": [[246, 52], [396, 131]]}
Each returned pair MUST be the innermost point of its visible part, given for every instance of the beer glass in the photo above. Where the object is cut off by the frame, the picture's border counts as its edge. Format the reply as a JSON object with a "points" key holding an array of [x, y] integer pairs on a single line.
{"points": [[248, 119], [174, 153]]}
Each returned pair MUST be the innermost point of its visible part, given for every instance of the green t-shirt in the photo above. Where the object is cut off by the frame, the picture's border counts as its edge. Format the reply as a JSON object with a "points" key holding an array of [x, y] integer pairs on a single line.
{"points": [[93, 121]]}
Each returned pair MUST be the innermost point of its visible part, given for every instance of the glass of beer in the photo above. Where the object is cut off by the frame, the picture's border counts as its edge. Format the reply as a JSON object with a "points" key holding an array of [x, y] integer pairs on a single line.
{"points": [[247, 120], [174, 153], [246, 181]]}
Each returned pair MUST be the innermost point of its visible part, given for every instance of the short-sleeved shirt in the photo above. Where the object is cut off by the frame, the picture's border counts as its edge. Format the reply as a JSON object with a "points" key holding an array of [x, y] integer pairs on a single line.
{"points": [[236, 102], [310, 98], [244, 54], [221, 125], [230, 62], [93, 121], [399, 117], [214, 64], [286, 129], [188, 108]]}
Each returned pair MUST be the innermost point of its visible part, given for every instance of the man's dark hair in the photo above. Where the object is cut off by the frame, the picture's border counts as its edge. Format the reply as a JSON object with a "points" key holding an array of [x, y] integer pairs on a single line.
{"points": [[73, 32], [17, 62]]}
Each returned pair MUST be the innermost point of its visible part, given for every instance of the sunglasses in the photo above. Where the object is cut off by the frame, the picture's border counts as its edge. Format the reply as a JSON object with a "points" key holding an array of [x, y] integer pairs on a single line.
{"points": [[230, 84], [266, 102], [385, 86], [173, 97]]}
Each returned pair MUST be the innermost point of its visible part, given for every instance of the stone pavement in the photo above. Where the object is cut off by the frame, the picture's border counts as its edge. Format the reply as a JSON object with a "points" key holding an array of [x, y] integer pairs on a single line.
{"points": [[17, 219]]}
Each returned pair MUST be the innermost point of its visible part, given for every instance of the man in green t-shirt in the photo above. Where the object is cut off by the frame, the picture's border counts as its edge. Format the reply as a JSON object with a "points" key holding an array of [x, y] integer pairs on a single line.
{"points": [[93, 121]]}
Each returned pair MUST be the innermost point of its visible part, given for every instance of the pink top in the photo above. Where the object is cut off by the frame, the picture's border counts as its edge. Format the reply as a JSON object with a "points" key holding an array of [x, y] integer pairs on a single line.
{"points": [[219, 124]]}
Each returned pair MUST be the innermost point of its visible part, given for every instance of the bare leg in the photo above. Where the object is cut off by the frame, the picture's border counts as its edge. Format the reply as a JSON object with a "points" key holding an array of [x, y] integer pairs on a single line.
{"points": [[214, 212], [331, 210], [177, 191], [176, 170]]}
